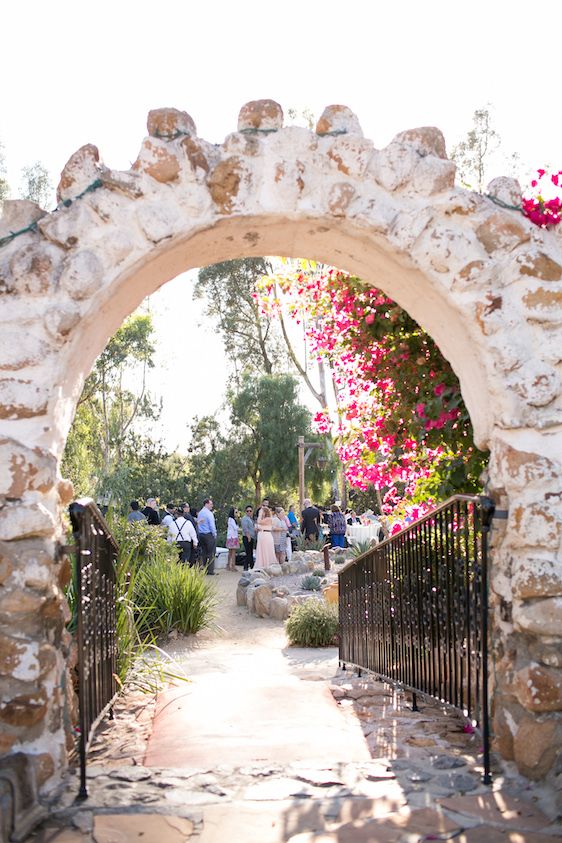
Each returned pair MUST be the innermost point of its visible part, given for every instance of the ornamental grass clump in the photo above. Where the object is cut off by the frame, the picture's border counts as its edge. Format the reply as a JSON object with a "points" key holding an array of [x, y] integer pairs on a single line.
{"points": [[311, 583], [154, 595], [312, 624], [174, 596], [310, 544]]}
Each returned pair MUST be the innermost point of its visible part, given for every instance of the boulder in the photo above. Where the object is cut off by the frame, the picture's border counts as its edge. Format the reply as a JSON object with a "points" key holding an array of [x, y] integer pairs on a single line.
{"points": [[250, 591], [279, 608], [241, 592], [262, 600]]}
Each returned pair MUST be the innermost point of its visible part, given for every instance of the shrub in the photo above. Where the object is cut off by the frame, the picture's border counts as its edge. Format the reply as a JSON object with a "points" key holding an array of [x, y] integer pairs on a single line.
{"points": [[359, 548], [313, 623], [319, 572], [311, 583], [310, 544], [174, 596]]}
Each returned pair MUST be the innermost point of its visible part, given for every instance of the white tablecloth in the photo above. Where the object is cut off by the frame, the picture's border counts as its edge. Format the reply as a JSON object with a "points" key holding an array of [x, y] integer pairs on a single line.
{"points": [[361, 533]]}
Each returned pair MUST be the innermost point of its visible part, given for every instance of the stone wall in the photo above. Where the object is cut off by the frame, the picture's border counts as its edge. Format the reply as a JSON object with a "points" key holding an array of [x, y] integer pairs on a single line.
{"points": [[481, 279]]}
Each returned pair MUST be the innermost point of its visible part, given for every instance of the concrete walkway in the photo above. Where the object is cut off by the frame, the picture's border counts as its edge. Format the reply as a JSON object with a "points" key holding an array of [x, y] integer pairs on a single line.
{"points": [[252, 699], [270, 744]]}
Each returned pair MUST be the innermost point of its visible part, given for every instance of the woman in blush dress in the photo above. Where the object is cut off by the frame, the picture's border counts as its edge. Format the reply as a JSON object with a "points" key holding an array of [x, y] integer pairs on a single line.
{"points": [[265, 552]]}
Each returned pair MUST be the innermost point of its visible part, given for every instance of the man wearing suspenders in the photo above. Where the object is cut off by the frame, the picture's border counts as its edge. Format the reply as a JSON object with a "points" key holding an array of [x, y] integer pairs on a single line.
{"points": [[182, 532]]}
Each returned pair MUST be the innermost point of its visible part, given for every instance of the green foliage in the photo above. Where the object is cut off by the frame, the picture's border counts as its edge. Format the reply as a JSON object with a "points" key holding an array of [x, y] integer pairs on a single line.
{"points": [[36, 184], [313, 623], [155, 595], [268, 417], [311, 583], [249, 337], [471, 154], [102, 446], [175, 596], [4, 186], [361, 547], [310, 544], [319, 572]]}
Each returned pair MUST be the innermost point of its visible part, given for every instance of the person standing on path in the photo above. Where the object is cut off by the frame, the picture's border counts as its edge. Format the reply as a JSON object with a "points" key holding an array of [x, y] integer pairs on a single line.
{"points": [[279, 532], [310, 520], [338, 526], [135, 514], [293, 520], [248, 537], [232, 541], [207, 536], [151, 512], [182, 532], [168, 516], [265, 553]]}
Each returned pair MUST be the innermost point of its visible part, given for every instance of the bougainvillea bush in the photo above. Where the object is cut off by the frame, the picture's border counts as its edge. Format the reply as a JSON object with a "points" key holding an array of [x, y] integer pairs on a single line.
{"points": [[544, 211], [399, 424]]}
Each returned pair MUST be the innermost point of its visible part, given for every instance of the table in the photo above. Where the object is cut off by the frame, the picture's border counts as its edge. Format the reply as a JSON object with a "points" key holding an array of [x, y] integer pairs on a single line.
{"points": [[362, 533]]}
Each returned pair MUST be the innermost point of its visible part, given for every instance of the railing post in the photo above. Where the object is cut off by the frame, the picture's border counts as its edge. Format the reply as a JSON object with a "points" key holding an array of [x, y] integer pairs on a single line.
{"points": [[487, 508], [95, 555]]}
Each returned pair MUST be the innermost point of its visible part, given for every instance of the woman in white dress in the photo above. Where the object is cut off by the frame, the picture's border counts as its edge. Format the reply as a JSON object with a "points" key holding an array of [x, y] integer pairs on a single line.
{"points": [[279, 533], [232, 541], [265, 552]]}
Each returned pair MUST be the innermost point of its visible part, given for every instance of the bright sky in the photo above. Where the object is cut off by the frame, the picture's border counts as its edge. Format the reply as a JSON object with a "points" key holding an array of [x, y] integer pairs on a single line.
{"points": [[75, 73]]}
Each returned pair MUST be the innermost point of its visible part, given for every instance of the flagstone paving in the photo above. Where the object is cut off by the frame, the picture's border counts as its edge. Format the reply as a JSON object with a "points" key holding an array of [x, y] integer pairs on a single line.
{"points": [[270, 744]]}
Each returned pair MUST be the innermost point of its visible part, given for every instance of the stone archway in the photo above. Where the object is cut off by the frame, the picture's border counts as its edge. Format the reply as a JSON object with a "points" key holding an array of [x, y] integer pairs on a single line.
{"points": [[483, 281]]}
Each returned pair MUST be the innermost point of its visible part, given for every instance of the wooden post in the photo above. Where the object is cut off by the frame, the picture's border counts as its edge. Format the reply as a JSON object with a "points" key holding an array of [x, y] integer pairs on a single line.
{"points": [[300, 447]]}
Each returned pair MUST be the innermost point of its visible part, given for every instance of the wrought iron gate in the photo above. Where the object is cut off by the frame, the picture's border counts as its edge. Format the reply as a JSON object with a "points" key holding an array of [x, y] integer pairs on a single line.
{"points": [[96, 554], [414, 609]]}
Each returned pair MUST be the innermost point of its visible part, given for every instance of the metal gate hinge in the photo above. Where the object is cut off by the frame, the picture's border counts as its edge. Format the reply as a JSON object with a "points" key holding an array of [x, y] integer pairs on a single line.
{"points": [[65, 550]]}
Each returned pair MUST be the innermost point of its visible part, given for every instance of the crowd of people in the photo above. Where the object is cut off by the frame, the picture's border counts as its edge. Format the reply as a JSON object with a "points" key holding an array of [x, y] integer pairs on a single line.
{"points": [[194, 532], [267, 534]]}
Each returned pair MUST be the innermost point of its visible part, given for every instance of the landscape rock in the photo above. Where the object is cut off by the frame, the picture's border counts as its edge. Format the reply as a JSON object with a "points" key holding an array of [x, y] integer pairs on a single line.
{"points": [[262, 600], [279, 608]]}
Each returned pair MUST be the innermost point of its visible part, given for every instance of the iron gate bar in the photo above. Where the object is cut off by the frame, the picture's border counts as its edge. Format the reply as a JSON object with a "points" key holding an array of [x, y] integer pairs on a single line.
{"points": [[414, 609], [96, 554]]}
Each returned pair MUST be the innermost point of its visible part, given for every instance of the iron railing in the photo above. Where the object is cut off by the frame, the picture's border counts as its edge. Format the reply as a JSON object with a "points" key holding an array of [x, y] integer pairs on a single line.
{"points": [[96, 553], [414, 609]]}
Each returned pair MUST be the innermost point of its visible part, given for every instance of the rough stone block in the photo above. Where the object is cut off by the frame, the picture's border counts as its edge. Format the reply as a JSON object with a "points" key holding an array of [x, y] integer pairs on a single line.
{"points": [[35, 268], [541, 617], [279, 608], [262, 600], [534, 525], [157, 161], [507, 190], [80, 171], [502, 230], [536, 746], [168, 123], [538, 264], [82, 275], [20, 521], [338, 119], [23, 469], [427, 140], [260, 115], [539, 688], [537, 578], [224, 183], [21, 399]]}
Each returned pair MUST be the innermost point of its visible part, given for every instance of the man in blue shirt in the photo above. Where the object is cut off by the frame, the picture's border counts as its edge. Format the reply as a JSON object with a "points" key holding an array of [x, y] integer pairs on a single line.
{"points": [[207, 536], [135, 514]]}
